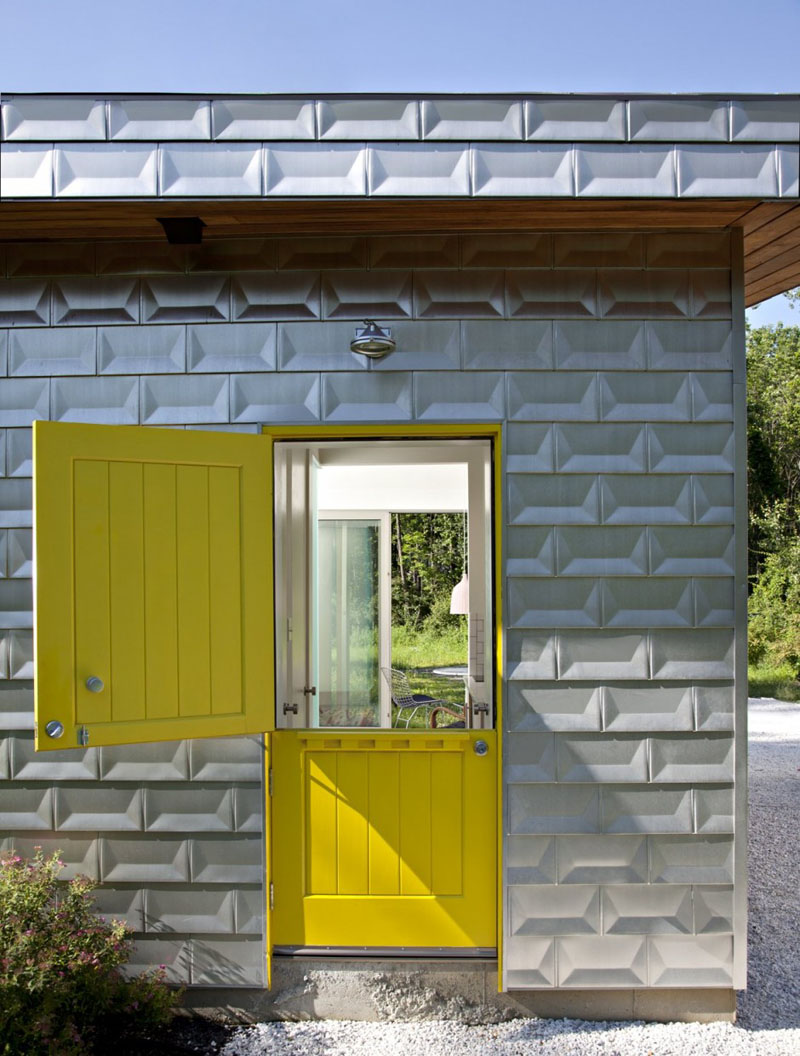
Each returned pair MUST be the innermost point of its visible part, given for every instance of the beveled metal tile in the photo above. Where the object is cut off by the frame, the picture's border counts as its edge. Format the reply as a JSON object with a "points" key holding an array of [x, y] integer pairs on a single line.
{"points": [[248, 809], [553, 499], [26, 809], [529, 448], [20, 654], [16, 603], [16, 713], [123, 904], [713, 810], [4, 368], [604, 250], [691, 961], [334, 251], [530, 552], [601, 551], [477, 396], [542, 809], [658, 603], [600, 448], [601, 961], [681, 249], [4, 570], [647, 707], [218, 962], [529, 962], [678, 119], [204, 910], [109, 401], [691, 859], [233, 254], [471, 119], [5, 762], [765, 120], [93, 301], [553, 910], [141, 349], [159, 761], [530, 860], [158, 119], [713, 708], [713, 909], [647, 810], [712, 397], [185, 299], [467, 294], [131, 860], [188, 809], [692, 759], [366, 397], [275, 397], [635, 171], [717, 171], [408, 169], [788, 172], [174, 954], [26, 171], [516, 170], [413, 251], [360, 294], [35, 117], [638, 909], [210, 170], [226, 759], [644, 294], [50, 258], [566, 293], [19, 452], [713, 499], [276, 295], [601, 654], [557, 707], [104, 809], [534, 602], [61, 765], [507, 345], [506, 250], [575, 119], [45, 352], [714, 602], [530, 655], [227, 860], [423, 345], [315, 169], [711, 293], [601, 759], [310, 346], [678, 345], [262, 118], [691, 448], [249, 911], [646, 499], [24, 302], [699, 653], [613, 345], [199, 398], [364, 118], [140, 258], [15, 501], [529, 757], [553, 396], [79, 855], [223, 349], [602, 859], [107, 170]]}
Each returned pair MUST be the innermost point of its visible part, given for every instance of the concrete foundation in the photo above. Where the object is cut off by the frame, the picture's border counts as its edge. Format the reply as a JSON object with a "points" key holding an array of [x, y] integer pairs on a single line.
{"points": [[419, 989]]}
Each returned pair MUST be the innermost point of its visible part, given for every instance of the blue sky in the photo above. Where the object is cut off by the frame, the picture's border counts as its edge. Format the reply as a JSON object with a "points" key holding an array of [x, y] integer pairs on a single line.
{"points": [[724, 46]]}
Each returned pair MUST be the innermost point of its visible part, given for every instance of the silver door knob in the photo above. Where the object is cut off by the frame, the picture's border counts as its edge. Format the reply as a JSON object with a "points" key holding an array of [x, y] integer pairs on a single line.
{"points": [[54, 728], [95, 684], [480, 748]]}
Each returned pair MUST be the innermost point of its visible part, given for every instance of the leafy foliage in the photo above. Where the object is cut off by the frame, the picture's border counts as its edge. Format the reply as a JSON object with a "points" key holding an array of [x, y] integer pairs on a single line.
{"points": [[427, 562], [61, 989]]}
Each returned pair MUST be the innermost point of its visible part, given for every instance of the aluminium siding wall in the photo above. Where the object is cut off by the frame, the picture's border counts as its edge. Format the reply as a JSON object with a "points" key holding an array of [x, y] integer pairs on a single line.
{"points": [[612, 359]]}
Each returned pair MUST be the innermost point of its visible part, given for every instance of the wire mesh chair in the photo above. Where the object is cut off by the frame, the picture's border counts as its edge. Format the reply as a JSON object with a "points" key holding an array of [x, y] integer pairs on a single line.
{"points": [[407, 705]]}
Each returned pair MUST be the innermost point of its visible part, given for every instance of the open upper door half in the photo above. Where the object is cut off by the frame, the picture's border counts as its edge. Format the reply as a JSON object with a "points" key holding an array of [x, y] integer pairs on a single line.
{"points": [[153, 592]]}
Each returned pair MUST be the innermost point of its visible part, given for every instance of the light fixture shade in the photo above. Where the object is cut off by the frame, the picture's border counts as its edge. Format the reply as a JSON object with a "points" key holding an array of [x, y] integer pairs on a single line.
{"points": [[459, 599]]}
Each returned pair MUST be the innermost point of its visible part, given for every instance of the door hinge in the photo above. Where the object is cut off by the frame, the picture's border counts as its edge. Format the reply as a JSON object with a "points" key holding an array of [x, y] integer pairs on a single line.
{"points": [[83, 736], [310, 691], [288, 707], [271, 896], [269, 781], [288, 629]]}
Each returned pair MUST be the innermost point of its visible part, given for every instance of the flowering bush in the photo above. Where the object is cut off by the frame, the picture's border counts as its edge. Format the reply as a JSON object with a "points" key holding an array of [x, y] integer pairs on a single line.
{"points": [[61, 990]]}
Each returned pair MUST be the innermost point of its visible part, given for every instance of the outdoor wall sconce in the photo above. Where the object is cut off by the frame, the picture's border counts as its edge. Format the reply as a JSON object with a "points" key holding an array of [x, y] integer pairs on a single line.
{"points": [[373, 340]]}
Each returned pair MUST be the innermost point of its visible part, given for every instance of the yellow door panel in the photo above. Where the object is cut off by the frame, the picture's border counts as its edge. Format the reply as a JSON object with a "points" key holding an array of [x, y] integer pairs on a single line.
{"points": [[154, 579], [386, 840]]}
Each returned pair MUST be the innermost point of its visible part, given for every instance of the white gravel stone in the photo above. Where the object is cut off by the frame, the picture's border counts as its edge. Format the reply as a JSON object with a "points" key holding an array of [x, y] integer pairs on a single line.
{"points": [[769, 1012]]}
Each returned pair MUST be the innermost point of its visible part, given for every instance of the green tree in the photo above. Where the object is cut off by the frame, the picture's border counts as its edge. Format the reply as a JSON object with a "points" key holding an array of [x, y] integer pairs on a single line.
{"points": [[427, 562]]}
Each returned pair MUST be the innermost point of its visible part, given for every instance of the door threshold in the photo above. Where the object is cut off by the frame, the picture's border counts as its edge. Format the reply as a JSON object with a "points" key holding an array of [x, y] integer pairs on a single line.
{"points": [[472, 952]]}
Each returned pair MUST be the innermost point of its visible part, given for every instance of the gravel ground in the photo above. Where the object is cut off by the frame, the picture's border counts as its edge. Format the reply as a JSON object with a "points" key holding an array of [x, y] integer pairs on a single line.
{"points": [[769, 1012]]}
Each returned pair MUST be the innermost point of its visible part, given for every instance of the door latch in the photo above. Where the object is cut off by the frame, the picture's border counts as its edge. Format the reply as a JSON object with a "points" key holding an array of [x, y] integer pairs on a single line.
{"points": [[480, 709], [310, 691], [287, 707]]}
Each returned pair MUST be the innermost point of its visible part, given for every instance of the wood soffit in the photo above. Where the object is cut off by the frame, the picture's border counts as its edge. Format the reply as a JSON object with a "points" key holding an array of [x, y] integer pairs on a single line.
{"points": [[771, 229]]}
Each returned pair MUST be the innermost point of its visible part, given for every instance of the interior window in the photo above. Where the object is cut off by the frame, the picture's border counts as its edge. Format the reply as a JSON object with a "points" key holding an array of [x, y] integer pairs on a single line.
{"points": [[383, 585]]}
